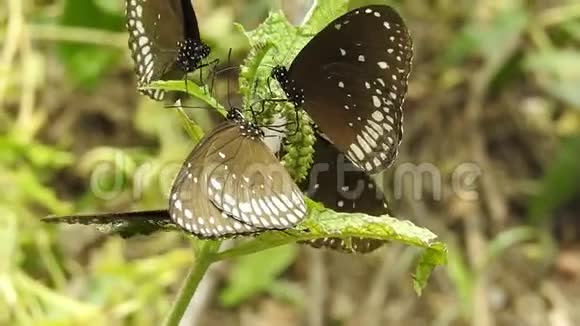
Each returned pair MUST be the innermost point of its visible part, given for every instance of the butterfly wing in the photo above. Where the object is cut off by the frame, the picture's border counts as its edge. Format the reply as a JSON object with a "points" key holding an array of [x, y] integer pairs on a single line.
{"points": [[189, 204], [358, 65], [190, 26], [159, 217], [216, 190], [342, 187], [126, 224], [155, 27], [251, 185]]}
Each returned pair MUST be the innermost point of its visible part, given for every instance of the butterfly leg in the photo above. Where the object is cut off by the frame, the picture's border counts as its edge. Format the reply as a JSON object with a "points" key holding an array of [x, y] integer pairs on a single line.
{"points": [[215, 71], [214, 65], [297, 119], [268, 82]]}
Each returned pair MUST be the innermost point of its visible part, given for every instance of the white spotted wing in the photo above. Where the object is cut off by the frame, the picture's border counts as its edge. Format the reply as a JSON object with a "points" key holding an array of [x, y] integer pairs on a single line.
{"points": [[356, 70], [231, 184]]}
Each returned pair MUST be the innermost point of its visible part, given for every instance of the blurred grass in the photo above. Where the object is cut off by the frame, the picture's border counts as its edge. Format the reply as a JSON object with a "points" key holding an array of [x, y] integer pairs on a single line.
{"points": [[60, 59], [37, 280]]}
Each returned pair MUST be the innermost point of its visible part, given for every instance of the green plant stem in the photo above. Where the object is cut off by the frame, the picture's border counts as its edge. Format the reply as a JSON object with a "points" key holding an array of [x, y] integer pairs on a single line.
{"points": [[204, 258]]}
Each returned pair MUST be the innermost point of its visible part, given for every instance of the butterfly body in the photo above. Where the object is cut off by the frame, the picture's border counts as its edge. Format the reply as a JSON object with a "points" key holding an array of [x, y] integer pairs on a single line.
{"points": [[190, 54], [355, 70]]}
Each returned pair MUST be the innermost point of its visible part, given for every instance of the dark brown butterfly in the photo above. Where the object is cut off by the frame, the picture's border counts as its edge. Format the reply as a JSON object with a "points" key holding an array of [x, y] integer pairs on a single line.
{"points": [[164, 41], [351, 78], [339, 185]]}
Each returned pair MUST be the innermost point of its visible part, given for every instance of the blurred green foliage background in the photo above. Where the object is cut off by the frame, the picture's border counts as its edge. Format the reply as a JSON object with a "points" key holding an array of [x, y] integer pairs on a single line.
{"points": [[494, 83]]}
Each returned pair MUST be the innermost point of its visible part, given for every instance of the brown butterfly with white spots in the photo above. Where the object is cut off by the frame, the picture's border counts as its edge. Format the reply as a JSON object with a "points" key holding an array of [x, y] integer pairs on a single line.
{"points": [[230, 185], [351, 78]]}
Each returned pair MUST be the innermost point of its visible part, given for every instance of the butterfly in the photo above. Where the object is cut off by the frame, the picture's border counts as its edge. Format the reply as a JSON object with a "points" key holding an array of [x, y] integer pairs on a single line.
{"points": [[164, 41], [229, 185], [351, 78], [339, 185]]}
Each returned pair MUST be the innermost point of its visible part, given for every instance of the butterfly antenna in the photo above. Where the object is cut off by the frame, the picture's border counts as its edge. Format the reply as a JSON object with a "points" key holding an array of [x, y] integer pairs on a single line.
{"points": [[228, 78], [268, 83], [214, 64], [180, 106], [220, 71], [287, 233], [216, 71], [269, 65], [226, 69], [276, 62], [228, 83], [213, 77], [254, 90]]}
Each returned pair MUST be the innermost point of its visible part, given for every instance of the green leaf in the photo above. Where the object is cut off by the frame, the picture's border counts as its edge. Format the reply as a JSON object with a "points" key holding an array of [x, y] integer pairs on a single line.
{"points": [[558, 73], [191, 88], [560, 182], [255, 273], [323, 223], [509, 238], [429, 259], [193, 129], [352, 4], [201, 93], [84, 62], [282, 42], [322, 13]]}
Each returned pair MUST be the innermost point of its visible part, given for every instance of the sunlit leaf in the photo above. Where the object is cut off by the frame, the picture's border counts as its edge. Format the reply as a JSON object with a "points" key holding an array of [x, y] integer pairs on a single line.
{"points": [[322, 13], [323, 223], [191, 88]]}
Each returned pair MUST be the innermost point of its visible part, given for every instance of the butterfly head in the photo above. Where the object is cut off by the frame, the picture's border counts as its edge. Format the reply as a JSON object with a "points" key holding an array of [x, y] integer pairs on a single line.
{"points": [[247, 128], [190, 54], [235, 115]]}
